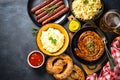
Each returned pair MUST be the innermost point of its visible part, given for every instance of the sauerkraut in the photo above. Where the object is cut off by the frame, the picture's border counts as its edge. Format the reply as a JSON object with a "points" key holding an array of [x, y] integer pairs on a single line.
{"points": [[86, 9]]}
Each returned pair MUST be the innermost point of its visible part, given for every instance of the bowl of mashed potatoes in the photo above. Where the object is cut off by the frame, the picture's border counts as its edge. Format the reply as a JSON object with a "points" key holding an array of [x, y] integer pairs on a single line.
{"points": [[52, 39]]}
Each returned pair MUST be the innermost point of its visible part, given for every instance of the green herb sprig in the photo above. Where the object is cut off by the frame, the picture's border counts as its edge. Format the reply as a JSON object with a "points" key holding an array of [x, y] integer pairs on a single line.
{"points": [[86, 2], [90, 46], [53, 40], [35, 30], [50, 9]]}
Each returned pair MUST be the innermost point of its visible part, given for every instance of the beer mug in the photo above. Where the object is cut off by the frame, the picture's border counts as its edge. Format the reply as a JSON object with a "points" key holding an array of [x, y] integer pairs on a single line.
{"points": [[111, 21]]}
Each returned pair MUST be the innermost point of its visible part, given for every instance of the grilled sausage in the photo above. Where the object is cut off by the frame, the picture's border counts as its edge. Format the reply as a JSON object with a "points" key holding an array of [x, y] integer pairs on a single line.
{"points": [[57, 15], [50, 4], [90, 46], [40, 5], [45, 12], [41, 15], [51, 14]]}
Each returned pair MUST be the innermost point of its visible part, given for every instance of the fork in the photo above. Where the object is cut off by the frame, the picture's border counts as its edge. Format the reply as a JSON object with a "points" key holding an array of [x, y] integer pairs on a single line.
{"points": [[110, 58]]}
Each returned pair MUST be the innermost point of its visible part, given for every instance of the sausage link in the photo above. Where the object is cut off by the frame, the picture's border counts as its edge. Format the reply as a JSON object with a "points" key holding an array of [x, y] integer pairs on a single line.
{"points": [[50, 4], [40, 5], [57, 15], [41, 15], [50, 15], [45, 12]]}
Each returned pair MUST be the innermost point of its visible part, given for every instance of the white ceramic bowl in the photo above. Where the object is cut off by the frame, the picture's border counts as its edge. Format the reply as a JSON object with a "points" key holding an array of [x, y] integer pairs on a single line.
{"points": [[35, 54]]}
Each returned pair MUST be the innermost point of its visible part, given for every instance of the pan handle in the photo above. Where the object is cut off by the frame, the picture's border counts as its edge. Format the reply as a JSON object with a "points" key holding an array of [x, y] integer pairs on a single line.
{"points": [[89, 24], [92, 67]]}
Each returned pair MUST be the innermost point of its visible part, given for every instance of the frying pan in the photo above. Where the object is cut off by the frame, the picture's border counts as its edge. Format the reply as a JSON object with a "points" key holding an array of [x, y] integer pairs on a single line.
{"points": [[74, 45], [32, 3]]}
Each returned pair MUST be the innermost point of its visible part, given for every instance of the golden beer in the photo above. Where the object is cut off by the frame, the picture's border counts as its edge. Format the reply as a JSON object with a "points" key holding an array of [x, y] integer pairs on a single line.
{"points": [[110, 21]]}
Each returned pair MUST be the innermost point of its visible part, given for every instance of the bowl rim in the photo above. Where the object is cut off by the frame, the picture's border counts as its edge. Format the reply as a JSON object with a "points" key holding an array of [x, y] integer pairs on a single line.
{"points": [[101, 59], [60, 20], [62, 30], [95, 17], [31, 54]]}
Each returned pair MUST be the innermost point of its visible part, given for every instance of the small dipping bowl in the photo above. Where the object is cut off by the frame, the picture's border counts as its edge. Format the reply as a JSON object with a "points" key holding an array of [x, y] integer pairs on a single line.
{"points": [[35, 59]]}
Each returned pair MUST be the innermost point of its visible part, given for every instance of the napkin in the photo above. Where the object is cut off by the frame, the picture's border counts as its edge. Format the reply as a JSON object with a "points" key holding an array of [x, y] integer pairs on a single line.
{"points": [[106, 73]]}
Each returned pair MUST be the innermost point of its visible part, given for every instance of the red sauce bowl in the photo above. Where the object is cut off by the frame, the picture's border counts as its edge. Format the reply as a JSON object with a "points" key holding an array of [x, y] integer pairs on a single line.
{"points": [[35, 59]]}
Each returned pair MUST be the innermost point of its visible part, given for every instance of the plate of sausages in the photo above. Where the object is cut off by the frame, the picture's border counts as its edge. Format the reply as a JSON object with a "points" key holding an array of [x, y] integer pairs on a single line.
{"points": [[42, 12]]}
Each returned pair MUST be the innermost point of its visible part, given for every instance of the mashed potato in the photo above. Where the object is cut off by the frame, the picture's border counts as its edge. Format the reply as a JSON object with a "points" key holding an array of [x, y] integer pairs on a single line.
{"points": [[86, 9], [52, 40]]}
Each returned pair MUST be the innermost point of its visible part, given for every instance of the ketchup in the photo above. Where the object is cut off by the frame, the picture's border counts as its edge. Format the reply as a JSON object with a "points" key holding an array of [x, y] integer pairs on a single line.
{"points": [[36, 59]]}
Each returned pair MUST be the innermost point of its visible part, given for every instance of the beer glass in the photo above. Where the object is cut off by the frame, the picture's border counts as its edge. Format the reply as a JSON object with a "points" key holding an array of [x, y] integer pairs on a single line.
{"points": [[110, 22]]}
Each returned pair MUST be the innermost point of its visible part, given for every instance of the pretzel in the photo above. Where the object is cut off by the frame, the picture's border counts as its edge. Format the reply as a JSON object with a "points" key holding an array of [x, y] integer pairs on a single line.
{"points": [[77, 74], [60, 66]]}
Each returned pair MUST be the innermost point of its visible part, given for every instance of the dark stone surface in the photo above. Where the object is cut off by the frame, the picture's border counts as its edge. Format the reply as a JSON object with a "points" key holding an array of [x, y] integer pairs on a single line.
{"points": [[16, 41]]}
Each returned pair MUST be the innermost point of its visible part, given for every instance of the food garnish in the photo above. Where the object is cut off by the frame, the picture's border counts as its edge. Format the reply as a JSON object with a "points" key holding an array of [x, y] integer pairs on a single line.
{"points": [[53, 40], [35, 30], [50, 9], [90, 46], [86, 1]]}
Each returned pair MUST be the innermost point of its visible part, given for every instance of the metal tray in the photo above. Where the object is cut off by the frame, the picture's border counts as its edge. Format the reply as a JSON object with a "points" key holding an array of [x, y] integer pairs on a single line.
{"points": [[32, 3]]}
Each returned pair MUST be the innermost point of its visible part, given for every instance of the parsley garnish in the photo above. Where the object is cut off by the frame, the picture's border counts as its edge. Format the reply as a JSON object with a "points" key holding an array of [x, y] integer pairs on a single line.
{"points": [[86, 2], [35, 30], [90, 46], [50, 9], [53, 40]]}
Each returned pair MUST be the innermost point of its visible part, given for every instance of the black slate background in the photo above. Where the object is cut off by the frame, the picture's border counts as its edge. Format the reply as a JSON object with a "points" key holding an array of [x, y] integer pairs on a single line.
{"points": [[16, 41]]}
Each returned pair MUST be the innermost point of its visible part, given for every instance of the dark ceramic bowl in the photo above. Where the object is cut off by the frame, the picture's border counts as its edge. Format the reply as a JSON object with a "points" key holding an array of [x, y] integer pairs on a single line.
{"points": [[95, 17]]}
